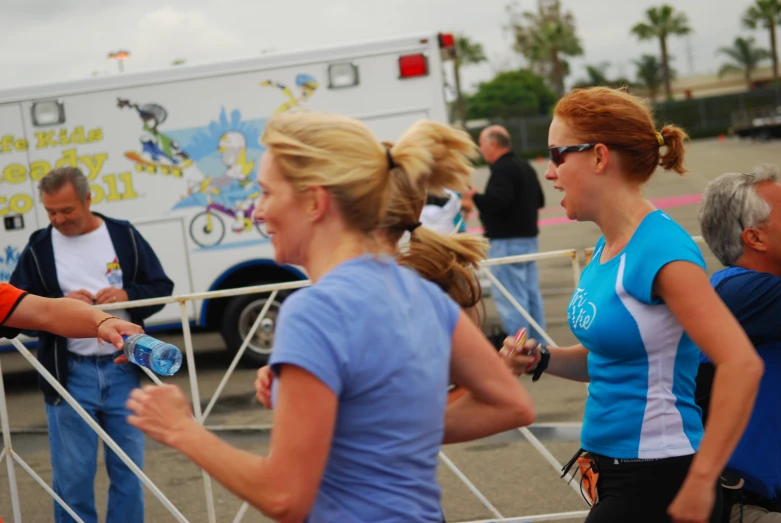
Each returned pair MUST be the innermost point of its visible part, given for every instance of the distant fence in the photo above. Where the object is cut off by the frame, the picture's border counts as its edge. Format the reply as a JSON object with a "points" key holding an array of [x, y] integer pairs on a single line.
{"points": [[700, 117], [703, 117]]}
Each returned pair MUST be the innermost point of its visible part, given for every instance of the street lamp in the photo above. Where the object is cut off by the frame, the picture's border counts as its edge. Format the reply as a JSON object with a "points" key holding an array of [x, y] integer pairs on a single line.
{"points": [[119, 56]]}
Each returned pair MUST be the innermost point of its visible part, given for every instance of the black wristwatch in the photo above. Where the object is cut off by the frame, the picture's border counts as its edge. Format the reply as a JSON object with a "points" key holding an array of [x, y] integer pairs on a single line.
{"points": [[543, 364]]}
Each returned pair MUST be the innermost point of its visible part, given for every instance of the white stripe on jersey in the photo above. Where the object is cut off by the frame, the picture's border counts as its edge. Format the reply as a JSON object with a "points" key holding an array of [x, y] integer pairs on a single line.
{"points": [[662, 434]]}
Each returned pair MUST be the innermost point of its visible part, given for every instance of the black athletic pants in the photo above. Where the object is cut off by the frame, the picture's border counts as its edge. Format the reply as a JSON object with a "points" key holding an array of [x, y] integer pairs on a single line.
{"points": [[640, 491]]}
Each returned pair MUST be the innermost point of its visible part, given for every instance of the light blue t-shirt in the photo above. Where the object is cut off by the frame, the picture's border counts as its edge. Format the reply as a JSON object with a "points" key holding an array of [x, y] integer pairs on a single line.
{"points": [[380, 338], [642, 365]]}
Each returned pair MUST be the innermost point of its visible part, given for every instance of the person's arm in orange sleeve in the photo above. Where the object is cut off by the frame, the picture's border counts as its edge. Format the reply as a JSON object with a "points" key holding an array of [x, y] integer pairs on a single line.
{"points": [[62, 316]]}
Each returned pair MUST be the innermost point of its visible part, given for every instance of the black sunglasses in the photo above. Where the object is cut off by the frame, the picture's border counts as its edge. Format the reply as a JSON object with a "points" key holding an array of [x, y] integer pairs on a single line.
{"points": [[556, 154]]}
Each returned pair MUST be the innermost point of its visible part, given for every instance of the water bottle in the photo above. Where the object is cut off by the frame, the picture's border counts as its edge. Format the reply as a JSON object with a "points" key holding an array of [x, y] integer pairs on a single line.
{"points": [[158, 356]]}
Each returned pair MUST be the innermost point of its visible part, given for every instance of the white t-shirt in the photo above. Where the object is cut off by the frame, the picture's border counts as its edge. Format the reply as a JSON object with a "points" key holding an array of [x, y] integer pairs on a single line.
{"points": [[88, 262], [442, 218]]}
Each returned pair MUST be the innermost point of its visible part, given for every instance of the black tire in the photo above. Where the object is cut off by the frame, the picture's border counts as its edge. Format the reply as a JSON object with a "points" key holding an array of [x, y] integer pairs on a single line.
{"points": [[764, 135], [239, 316]]}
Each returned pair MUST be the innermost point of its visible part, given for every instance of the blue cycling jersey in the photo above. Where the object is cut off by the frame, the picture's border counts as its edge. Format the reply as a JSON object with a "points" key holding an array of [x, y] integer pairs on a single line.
{"points": [[642, 365]]}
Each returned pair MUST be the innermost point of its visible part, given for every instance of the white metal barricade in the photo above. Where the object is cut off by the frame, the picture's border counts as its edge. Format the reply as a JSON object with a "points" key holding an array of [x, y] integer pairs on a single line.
{"points": [[10, 455]]}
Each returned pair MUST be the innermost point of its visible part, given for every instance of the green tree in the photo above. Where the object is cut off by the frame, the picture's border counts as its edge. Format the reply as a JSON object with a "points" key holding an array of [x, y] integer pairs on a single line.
{"points": [[545, 37], [766, 13], [745, 57], [660, 23], [511, 93], [649, 74], [467, 53], [596, 75]]}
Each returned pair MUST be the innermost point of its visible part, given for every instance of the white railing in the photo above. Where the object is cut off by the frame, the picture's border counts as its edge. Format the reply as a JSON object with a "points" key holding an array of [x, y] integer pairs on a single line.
{"points": [[11, 456]]}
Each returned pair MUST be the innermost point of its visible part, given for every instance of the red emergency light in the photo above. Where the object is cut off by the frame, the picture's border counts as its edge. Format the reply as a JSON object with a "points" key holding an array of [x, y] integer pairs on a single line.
{"points": [[446, 40], [413, 65]]}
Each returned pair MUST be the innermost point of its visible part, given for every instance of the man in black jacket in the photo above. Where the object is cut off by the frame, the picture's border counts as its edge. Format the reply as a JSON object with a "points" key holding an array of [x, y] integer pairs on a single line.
{"points": [[97, 260], [509, 210]]}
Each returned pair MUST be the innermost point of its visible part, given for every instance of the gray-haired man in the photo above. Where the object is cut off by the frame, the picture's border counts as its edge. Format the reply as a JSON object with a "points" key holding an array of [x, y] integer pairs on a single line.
{"points": [[92, 258], [741, 222]]}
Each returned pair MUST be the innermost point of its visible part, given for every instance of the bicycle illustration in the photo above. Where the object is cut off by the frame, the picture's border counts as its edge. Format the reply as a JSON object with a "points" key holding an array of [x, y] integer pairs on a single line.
{"points": [[207, 228], [221, 198]]}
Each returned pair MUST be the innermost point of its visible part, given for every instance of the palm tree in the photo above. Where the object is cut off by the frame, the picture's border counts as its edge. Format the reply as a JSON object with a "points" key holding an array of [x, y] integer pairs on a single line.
{"points": [[467, 53], [649, 74], [660, 23], [768, 14], [545, 37], [596, 75], [745, 58]]}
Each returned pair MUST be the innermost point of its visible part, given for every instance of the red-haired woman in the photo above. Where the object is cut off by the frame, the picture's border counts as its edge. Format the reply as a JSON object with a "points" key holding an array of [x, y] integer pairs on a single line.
{"points": [[642, 311]]}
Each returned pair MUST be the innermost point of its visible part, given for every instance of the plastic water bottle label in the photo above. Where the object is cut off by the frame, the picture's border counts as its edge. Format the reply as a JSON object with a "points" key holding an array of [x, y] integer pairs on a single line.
{"points": [[160, 357]]}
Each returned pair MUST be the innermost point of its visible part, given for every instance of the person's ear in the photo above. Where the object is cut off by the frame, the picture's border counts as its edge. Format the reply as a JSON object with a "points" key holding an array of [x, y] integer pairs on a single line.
{"points": [[601, 157], [755, 239], [318, 204]]}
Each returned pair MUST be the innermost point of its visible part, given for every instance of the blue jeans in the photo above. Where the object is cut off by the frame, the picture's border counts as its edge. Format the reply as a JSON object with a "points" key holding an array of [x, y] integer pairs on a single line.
{"points": [[522, 282], [101, 387]]}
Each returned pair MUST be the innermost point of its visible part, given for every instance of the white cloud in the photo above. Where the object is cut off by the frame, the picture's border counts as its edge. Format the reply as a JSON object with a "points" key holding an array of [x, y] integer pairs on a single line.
{"points": [[167, 33], [56, 40]]}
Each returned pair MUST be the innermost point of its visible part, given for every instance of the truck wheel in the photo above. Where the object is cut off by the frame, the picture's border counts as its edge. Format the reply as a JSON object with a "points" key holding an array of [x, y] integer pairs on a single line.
{"points": [[240, 314]]}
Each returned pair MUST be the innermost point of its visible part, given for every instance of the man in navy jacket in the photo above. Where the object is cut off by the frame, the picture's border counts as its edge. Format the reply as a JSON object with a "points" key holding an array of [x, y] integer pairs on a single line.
{"points": [[98, 260], [741, 222]]}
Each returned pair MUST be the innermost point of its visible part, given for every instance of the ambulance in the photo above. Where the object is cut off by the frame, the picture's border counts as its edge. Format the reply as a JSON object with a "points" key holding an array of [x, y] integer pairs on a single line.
{"points": [[176, 153]]}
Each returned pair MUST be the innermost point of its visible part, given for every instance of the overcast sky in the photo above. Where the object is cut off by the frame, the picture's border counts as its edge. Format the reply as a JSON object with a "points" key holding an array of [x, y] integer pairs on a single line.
{"points": [[54, 40]]}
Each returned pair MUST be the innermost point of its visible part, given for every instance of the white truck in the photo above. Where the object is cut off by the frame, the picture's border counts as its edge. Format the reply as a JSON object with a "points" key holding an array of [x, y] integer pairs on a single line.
{"points": [[176, 153]]}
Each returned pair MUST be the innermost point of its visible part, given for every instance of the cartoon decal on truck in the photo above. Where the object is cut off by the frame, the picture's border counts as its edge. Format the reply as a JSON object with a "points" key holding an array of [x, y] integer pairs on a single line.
{"points": [[226, 152], [218, 164], [306, 84], [197, 179], [158, 151], [8, 259]]}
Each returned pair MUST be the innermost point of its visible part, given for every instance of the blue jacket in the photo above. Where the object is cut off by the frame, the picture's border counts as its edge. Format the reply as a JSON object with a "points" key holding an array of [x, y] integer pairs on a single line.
{"points": [[754, 298], [142, 277]]}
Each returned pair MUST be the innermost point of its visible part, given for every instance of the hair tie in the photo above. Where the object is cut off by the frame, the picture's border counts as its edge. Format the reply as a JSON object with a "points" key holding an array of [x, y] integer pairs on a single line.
{"points": [[412, 227], [391, 163], [660, 139]]}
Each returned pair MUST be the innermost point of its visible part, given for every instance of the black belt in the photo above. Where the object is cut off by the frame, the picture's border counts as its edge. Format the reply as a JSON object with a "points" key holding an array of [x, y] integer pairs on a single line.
{"points": [[746, 497], [93, 358], [752, 498]]}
